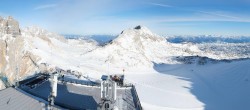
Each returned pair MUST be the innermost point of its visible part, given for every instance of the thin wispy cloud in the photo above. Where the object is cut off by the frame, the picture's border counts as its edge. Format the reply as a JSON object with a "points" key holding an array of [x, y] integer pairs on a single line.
{"points": [[214, 14], [185, 19], [218, 14], [201, 19], [158, 4], [45, 6], [94, 16]]}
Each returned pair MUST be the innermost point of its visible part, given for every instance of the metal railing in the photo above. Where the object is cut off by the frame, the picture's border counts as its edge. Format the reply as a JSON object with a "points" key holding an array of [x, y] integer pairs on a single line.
{"points": [[136, 100]]}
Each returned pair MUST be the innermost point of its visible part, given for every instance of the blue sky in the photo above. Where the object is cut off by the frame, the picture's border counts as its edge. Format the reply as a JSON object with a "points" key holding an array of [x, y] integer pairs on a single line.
{"points": [[171, 17]]}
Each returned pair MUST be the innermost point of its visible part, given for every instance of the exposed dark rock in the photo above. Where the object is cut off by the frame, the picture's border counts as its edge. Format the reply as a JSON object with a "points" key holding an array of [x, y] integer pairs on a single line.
{"points": [[138, 27]]}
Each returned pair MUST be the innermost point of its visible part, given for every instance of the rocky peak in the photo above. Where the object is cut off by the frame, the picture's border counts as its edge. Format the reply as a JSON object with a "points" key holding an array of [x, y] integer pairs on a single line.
{"points": [[138, 39], [134, 47], [138, 27], [9, 26], [142, 29], [138, 34], [9, 18]]}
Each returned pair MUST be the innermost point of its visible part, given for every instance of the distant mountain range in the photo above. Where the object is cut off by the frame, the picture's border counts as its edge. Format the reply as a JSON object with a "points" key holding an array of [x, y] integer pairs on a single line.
{"points": [[209, 39], [102, 39]]}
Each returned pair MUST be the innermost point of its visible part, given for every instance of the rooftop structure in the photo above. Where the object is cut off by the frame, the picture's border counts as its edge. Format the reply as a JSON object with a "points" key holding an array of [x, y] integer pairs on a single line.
{"points": [[16, 99], [74, 93]]}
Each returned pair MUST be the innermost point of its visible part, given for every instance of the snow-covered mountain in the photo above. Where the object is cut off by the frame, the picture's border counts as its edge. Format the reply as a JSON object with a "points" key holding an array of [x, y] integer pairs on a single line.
{"points": [[136, 47], [23, 50], [208, 39], [168, 76]]}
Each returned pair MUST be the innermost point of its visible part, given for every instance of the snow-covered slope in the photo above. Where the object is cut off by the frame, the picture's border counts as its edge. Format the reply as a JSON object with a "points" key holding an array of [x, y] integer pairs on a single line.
{"points": [[21, 54], [139, 47], [55, 50], [134, 48], [222, 86], [167, 76]]}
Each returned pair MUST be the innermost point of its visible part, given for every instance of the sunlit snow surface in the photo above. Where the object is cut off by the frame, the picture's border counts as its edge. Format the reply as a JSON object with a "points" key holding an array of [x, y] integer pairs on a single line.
{"points": [[150, 63], [211, 87]]}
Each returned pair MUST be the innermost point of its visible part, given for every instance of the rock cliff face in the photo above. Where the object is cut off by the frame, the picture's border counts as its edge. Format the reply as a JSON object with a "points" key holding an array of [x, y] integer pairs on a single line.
{"points": [[16, 61], [9, 26], [20, 49]]}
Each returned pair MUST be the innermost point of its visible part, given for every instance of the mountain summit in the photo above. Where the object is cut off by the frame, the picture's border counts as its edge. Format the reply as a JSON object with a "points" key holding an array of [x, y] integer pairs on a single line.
{"points": [[142, 28], [136, 46], [9, 26], [138, 29], [137, 38]]}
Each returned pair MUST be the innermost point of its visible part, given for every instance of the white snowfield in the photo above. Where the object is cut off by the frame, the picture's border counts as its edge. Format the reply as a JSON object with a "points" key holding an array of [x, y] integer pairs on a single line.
{"points": [[162, 82], [223, 86]]}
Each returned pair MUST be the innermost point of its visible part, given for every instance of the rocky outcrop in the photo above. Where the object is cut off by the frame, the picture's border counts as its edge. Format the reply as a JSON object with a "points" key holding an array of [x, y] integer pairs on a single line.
{"points": [[3, 51], [16, 61], [138, 27], [9, 26]]}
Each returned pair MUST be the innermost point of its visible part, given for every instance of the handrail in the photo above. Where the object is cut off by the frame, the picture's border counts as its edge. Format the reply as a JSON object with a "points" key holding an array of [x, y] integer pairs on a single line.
{"points": [[137, 101]]}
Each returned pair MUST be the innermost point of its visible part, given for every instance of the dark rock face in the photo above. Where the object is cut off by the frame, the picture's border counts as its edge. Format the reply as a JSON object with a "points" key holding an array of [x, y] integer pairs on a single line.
{"points": [[9, 26], [138, 27]]}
